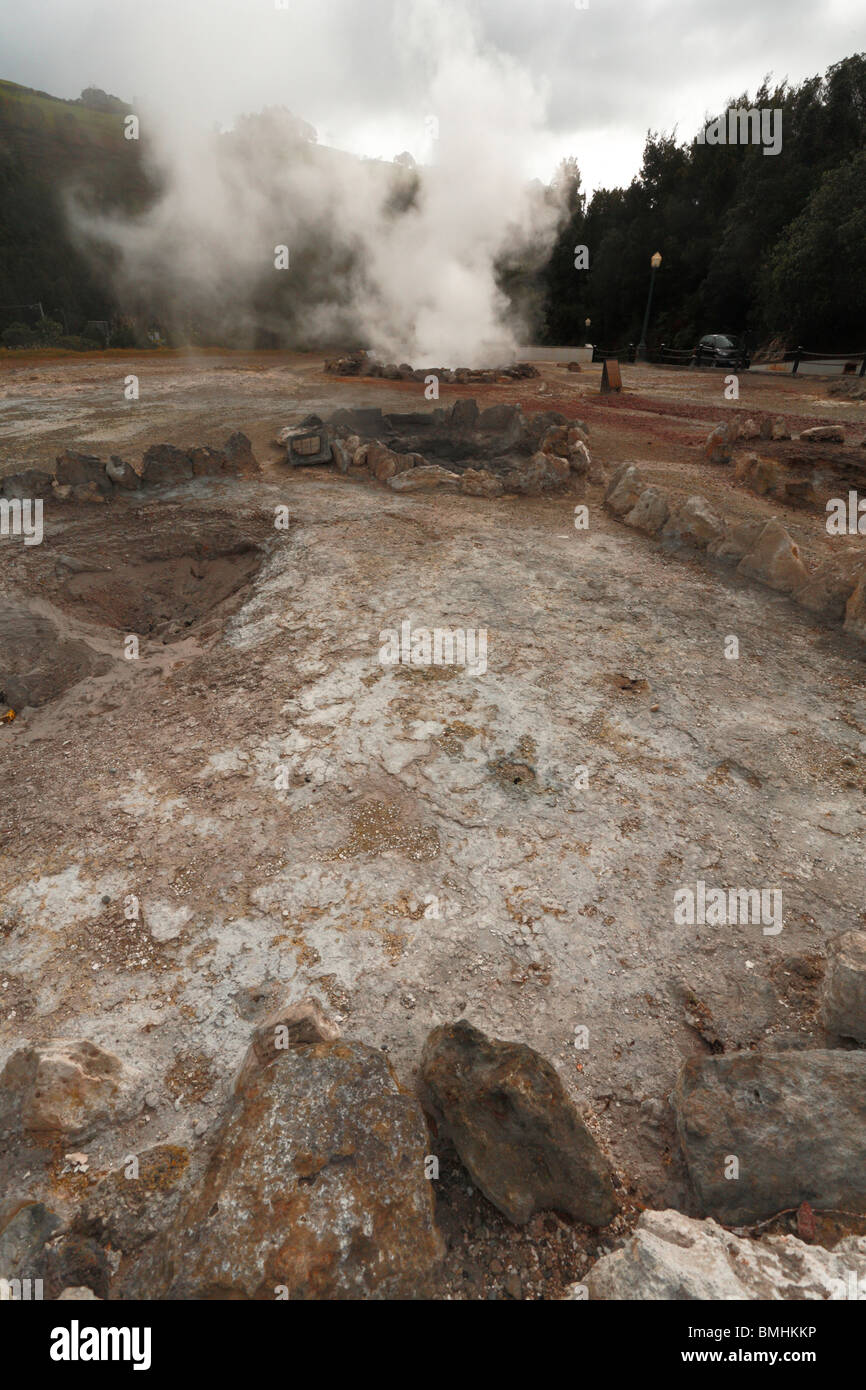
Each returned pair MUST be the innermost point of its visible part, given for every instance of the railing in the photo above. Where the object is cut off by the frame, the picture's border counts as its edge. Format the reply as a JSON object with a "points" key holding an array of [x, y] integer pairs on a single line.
{"points": [[684, 357], [800, 353]]}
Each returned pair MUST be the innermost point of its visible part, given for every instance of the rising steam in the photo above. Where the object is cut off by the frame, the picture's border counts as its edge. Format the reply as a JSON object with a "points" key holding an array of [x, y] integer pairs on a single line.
{"points": [[395, 257]]}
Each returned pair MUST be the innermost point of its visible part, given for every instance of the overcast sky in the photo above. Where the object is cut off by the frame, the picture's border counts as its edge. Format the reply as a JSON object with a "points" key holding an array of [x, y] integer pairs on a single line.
{"points": [[356, 68]]}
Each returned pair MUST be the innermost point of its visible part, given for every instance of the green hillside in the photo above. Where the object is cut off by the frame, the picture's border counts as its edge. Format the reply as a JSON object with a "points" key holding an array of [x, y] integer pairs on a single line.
{"points": [[51, 149]]}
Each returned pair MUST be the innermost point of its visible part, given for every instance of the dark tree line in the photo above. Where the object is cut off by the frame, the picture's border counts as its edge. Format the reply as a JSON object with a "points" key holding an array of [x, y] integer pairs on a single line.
{"points": [[774, 245]]}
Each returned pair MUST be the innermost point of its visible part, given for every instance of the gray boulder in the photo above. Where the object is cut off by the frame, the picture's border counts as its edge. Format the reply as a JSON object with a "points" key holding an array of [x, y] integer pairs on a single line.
{"points": [[165, 466], [791, 1125]]}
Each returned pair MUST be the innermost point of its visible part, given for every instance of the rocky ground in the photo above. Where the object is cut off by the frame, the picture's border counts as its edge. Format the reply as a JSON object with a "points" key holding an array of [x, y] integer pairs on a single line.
{"points": [[254, 810]]}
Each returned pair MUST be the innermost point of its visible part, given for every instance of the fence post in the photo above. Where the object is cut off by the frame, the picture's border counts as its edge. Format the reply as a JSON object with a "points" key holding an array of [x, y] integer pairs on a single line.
{"points": [[631, 352], [797, 355], [862, 371]]}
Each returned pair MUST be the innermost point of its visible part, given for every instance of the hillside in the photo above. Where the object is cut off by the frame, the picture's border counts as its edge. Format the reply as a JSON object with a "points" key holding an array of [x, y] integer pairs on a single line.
{"points": [[50, 150]]}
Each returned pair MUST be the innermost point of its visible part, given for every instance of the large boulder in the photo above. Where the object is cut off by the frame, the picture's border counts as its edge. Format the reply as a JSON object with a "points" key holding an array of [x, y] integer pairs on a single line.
{"points": [[316, 1188], [463, 415], [775, 560], [122, 474], [165, 466], [83, 475], [843, 1002], [505, 1110], [650, 512], [693, 523], [719, 447], [479, 482], [826, 592], [624, 489], [67, 1089], [540, 473], [735, 542], [673, 1257], [30, 482], [239, 454], [823, 434], [791, 1126]]}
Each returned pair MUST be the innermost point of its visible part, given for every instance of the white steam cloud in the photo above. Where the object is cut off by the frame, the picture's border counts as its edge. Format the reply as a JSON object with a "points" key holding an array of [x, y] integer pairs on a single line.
{"points": [[395, 258]]}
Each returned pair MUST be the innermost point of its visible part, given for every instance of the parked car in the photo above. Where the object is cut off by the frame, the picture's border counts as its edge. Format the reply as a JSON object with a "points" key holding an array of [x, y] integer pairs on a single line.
{"points": [[720, 350]]}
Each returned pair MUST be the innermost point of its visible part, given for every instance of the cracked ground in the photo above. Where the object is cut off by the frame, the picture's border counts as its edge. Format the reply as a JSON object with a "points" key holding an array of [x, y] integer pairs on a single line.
{"points": [[409, 845]]}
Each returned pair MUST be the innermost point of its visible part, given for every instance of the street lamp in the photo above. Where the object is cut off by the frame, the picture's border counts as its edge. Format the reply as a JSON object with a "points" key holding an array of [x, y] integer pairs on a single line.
{"points": [[586, 324], [655, 262]]}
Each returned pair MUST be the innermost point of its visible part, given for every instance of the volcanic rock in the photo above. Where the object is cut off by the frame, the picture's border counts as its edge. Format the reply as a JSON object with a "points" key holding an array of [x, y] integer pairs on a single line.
{"points": [[774, 559], [30, 482], [82, 471], [122, 474], [624, 489], [795, 1122], [823, 434], [826, 592], [316, 1188], [239, 454], [137, 1201], [505, 1110], [541, 473], [694, 523], [164, 466], [719, 446], [479, 482], [650, 512], [66, 1089], [735, 542]]}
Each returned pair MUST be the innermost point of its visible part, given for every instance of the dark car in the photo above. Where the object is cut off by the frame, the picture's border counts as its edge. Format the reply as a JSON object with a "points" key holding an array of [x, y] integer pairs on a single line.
{"points": [[720, 350]]}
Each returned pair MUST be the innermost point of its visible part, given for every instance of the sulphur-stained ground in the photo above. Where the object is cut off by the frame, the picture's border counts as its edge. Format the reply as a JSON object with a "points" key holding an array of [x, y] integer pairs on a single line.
{"points": [[414, 844]]}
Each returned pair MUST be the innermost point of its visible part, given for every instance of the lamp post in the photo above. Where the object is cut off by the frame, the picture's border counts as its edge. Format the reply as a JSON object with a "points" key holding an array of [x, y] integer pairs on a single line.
{"points": [[655, 262], [586, 324]]}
